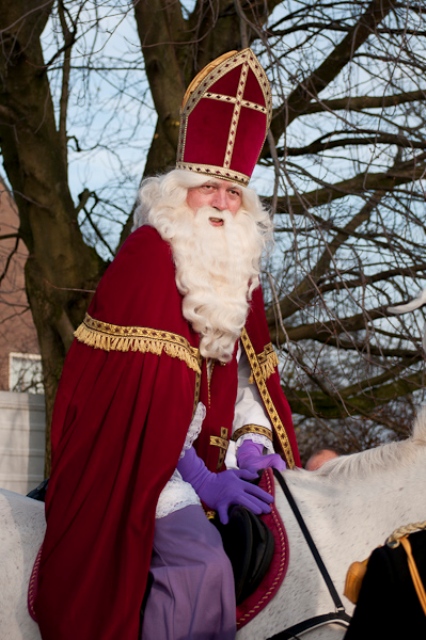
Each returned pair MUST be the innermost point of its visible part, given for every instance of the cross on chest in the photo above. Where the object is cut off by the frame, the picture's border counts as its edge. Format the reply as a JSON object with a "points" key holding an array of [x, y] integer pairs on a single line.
{"points": [[221, 442]]}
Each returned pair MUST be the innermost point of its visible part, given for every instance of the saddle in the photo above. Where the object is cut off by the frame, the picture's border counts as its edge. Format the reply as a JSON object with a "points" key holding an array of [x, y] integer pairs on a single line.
{"points": [[257, 548], [259, 554], [250, 546]]}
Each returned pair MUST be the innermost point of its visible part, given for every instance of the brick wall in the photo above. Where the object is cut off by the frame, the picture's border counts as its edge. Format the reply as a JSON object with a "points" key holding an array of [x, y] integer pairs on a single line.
{"points": [[17, 332], [22, 415]]}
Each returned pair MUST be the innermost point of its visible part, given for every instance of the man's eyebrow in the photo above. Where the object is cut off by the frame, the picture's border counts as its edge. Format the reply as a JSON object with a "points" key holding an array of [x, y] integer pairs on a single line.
{"points": [[204, 184]]}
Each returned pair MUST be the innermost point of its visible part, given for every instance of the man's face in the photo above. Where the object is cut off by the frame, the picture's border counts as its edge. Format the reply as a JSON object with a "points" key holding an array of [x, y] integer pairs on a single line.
{"points": [[218, 194]]}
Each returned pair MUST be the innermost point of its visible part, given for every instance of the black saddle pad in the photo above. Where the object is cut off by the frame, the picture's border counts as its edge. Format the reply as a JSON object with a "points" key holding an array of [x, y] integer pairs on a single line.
{"points": [[249, 545], [388, 606]]}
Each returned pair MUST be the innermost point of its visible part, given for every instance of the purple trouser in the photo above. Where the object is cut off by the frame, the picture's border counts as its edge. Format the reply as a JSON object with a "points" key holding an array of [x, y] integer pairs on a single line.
{"points": [[192, 596]]}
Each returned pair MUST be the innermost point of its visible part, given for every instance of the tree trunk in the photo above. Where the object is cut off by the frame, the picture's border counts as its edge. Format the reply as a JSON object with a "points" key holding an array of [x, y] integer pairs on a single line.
{"points": [[61, 269]]}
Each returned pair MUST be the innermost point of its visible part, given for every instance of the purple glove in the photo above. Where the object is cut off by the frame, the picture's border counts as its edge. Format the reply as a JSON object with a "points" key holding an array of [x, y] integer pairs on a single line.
{"points": [[221, 490], [250, 456]]}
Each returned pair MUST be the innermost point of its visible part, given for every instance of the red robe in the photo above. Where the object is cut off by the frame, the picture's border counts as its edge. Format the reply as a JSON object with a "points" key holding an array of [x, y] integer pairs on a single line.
{"points": [[129, 387]]}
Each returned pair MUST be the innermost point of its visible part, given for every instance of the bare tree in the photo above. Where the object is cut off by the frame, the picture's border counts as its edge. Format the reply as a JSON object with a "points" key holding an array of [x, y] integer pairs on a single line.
{"points": [[343, 172]]}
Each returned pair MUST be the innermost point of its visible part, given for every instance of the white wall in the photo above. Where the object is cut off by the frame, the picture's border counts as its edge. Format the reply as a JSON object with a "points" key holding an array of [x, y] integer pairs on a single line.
{"points": [[22, 440]]}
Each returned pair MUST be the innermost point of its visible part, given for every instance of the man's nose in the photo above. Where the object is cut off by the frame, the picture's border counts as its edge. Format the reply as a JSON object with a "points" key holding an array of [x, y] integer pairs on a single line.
{"points": [[220, 201]]}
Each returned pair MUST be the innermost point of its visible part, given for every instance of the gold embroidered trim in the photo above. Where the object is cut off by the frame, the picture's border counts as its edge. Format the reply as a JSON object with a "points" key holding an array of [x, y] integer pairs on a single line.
{"points": [[232, 100], [214, 171], [260, 380], [210, 365], [236, 116], [252, 428], [282, 557], [200, 90], [267, 360], [113, 337], [197, 390], [213, 75], [221, 442]]}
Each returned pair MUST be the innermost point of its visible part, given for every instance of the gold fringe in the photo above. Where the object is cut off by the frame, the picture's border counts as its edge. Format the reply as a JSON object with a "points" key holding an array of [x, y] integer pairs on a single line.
{"points": [[267, 361], [258, 376], [112, 337]]}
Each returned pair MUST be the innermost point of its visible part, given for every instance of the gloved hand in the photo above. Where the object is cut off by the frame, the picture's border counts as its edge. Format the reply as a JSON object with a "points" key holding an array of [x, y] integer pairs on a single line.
{"points": [[221, 490], [250, 456]]}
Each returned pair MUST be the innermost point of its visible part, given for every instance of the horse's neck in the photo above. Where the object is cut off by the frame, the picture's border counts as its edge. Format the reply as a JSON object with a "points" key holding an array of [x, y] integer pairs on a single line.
{"points": [[348, 515], [365, 507], [304, 593]]}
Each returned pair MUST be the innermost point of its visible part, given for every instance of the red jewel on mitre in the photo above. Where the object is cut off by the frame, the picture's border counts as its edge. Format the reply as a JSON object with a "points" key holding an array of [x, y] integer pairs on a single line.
{"points": [[225, 117]]}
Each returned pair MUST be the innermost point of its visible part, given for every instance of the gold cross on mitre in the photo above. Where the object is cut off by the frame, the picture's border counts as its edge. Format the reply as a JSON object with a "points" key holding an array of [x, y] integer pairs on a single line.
{"points": [[225, 116]]}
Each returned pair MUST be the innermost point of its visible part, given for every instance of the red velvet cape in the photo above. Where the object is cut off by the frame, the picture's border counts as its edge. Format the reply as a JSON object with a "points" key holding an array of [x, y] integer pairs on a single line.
{"points": [[119, 423]]}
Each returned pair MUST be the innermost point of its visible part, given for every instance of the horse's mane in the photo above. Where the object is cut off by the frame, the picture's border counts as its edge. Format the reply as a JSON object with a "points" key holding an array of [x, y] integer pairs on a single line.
{"points": [[389, 455]]}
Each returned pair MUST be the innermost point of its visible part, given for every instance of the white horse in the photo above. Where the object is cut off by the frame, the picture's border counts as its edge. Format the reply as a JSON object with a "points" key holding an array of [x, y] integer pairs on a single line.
{"points": [[351, 505]]}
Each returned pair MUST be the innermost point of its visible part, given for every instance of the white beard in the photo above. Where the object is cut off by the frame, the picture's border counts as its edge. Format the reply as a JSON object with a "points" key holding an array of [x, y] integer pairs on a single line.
{"points": [[217, 268]]}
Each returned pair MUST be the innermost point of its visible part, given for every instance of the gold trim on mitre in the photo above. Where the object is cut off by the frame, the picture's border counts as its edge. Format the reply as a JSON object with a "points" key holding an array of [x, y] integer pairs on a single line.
{"points": [[203, 73], [112, 337], [199, 89], [212, 170], [268, 360]]}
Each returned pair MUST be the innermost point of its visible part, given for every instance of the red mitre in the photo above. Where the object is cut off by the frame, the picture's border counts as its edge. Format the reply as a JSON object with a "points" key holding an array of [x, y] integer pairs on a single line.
{"points": [[225, 117]]}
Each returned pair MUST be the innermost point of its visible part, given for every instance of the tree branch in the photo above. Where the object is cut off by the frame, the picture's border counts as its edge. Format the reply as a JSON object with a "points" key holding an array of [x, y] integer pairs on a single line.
{"points": [[320, 405], [69, 39], [318, 146], [360, 103], [325, 331], [402, 173], [299, 99], [307, 289], [11, 254]]}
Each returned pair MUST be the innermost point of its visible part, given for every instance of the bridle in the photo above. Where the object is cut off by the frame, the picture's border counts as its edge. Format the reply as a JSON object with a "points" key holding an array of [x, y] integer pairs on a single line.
{"points": [[339, 615]]}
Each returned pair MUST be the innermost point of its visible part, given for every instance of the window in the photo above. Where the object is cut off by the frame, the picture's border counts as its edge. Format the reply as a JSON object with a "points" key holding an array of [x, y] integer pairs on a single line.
{"points": [[25, 373]]}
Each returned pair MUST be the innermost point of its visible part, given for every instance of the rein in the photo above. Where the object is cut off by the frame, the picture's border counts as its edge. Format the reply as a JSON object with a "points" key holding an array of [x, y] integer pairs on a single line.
{"points": [[339, 616]]}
